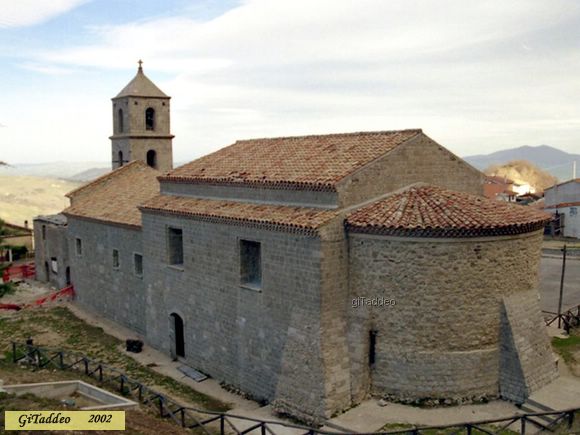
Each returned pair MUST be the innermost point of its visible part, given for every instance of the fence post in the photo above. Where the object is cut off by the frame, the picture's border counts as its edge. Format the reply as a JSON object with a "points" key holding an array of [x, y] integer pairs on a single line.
{"points": [[61, 360], [561, 287], [182, 418], [468, 427], [523, 426], [570, 419], [263, 428], [222, 425], [140, 392], [86, 363], [14, 352], [100, 373], [160, 407], [122, 386]]}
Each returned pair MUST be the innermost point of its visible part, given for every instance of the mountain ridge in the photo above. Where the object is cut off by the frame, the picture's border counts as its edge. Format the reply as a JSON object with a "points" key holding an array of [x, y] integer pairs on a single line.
{"points": [[556, 161]]}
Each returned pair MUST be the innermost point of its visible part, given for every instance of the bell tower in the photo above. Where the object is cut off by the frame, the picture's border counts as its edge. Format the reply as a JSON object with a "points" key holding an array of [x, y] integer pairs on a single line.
{"points": [[141, 125]]}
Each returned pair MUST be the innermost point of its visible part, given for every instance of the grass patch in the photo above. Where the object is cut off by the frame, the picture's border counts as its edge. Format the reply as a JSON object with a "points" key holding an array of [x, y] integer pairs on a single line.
{"points": [[60, 328], [11, 402], [567, 347]]}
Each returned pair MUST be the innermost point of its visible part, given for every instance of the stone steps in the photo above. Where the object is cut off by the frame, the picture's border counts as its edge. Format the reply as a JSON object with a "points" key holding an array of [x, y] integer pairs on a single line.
{"points": [[531, 406]]}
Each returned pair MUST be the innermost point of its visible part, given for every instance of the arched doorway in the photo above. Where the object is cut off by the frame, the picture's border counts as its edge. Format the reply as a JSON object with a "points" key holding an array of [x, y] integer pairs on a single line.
{"points": [[152, 158], [178, 338], [46, 271], [67, 273]]}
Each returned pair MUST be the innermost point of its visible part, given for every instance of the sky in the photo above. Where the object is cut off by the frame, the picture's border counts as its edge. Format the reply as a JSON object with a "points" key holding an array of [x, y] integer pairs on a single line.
{"points": [[476, 76]]}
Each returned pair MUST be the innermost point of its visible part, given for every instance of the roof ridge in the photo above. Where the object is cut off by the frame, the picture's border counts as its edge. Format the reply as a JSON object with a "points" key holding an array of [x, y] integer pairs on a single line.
{"points": [[354, 133], [105, 177]]}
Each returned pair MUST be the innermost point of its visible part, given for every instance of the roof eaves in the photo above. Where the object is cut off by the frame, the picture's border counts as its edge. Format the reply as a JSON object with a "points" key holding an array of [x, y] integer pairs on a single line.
{"points": [[103, 221], [255, 223], [508, 230]]}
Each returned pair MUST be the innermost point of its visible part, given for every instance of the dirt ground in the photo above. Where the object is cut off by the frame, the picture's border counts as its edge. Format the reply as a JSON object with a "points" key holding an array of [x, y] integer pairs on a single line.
{"points": [[25, 292]]}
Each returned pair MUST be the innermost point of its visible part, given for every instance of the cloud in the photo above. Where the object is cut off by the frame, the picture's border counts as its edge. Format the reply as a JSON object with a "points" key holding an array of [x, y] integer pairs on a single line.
{"points": [[471, 74], [47, 69], [18, 13]]}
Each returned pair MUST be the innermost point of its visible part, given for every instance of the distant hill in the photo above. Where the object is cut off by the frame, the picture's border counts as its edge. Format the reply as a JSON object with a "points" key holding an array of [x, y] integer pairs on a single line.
{"points": [[89, 174], [522, 171], [553, 160], [23, 198], [63, 170]]}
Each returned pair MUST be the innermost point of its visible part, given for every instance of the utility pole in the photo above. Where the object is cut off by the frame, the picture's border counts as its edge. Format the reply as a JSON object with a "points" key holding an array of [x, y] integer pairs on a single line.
{"points": [[561, 287]]}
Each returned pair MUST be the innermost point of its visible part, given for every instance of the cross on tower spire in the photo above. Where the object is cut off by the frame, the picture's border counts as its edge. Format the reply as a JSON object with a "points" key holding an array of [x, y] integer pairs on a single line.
{"points": [[140, 65]]}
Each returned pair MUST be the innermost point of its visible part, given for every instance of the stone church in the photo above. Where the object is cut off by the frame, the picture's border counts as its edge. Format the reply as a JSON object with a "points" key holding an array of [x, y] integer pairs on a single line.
{"points": [[309, 272]]}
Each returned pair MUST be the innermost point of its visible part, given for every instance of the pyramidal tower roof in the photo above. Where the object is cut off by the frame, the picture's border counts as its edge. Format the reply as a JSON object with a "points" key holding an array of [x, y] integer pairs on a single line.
{"points": [[141, 86]]}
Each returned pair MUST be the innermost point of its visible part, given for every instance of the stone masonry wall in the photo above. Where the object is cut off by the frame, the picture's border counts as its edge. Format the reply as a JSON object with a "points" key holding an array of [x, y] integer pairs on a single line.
{"points": [[115, 293], [265, 342], [136, 140], [419, 159], [441, 338], [53, 246], [305, 198], [525, 351]]}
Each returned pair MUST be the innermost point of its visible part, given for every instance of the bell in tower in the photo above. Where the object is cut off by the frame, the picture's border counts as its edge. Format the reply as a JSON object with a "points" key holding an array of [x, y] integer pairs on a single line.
{"points": [[141, 125]]}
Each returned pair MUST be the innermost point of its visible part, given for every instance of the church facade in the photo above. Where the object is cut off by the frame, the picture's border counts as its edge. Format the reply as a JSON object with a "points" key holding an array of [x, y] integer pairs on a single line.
{"points": [[267, 264]]}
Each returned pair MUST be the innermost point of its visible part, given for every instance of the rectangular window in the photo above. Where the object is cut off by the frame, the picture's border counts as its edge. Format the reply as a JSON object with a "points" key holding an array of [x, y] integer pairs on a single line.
{"points": [[175, 244], [138, 262], [54, 265], [44, 232], [79, 246], [116, 258], [372, 347], [250, 264]]}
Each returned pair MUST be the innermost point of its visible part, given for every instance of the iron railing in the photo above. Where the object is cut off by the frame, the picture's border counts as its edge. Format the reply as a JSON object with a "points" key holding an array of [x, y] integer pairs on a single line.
{"points": [[211, 422], [568, 319]]}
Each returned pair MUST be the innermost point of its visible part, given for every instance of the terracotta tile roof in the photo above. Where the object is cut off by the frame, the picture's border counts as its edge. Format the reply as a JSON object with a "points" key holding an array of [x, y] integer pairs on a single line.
{"points": [[423, 210], [274, 217], [564, 204], [114, 197], [315, 162]]}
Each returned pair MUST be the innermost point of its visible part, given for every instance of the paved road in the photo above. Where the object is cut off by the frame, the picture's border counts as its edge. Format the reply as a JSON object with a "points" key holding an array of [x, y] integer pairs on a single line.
{"points": [[550, 272]]}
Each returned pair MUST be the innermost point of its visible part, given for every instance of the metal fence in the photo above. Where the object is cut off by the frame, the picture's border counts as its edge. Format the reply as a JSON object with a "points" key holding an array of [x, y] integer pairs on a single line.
{"points": [[211, 422], [567, 319]]}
